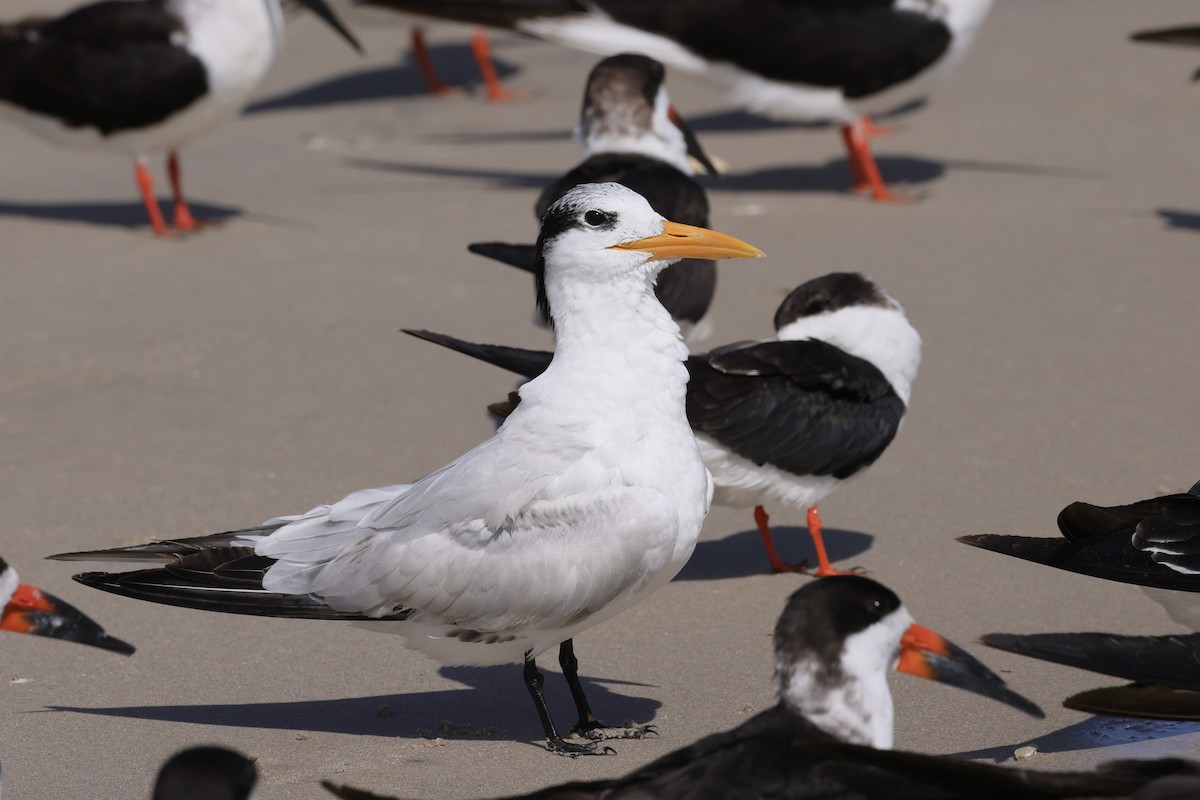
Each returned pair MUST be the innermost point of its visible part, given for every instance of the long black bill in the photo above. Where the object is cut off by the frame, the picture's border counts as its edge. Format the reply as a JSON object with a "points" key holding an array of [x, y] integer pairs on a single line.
{"points": [[30, 610], [927, 654], [693, 144], [322, 10]]}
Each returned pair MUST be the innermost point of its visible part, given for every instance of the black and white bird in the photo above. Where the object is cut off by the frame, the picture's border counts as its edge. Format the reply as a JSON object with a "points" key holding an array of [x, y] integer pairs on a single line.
{"points": [[138, 77], [1184, 36], [586, 500], [28, 609], [206, 773], [830, 733], [632, 135], [788, 420], [788, 59], [1152, 543]]}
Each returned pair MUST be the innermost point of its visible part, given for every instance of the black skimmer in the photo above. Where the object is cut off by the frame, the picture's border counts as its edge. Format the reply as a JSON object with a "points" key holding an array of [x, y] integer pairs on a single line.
{"points": [[1186, 36], [801, 60], [835, 643], [141, 77], [587, 499], [1152, 543], [206, 773], [632, 136], [788, 420], [28, 609]]}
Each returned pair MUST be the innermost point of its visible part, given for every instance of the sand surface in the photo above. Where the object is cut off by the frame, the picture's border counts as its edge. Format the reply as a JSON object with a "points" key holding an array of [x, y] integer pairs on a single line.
{"points": [[170, 388]]}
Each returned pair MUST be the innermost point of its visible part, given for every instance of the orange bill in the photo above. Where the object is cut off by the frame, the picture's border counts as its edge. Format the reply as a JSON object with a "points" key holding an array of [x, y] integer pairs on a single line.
{"points": [[688, 241]]}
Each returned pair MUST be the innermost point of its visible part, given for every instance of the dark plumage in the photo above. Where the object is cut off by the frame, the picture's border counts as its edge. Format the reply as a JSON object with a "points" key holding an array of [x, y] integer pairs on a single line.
{"points": [[111, 66], [1153, 542]]}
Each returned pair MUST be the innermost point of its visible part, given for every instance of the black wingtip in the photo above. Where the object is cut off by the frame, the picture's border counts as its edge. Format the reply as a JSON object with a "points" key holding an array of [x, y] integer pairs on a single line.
{"points": [[521, 256], [1184, 36], [322, 10]]}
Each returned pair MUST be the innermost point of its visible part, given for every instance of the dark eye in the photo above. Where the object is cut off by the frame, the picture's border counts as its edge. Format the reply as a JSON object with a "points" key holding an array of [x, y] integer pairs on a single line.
{"points": [[594, 218]]}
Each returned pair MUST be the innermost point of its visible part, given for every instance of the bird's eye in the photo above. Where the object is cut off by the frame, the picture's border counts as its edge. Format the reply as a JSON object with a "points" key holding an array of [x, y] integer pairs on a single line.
{"points": [[594, 218]]}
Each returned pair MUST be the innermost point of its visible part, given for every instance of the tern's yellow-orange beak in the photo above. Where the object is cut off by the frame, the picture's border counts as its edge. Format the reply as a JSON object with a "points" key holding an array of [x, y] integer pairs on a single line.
{"points": [[688, 241]]}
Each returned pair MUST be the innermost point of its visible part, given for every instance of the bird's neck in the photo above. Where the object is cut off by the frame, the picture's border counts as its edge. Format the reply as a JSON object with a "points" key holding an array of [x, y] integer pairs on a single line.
{"points": [[621, 337], [851, 708], [643, 144]]}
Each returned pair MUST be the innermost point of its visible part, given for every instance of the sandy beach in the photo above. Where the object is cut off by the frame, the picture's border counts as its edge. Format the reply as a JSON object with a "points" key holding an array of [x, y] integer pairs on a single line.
{"points": [[153, 388]]}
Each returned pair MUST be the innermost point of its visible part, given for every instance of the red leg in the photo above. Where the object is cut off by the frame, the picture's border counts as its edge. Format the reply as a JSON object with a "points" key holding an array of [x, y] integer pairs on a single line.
{"points": [[858, 179], [777, 564], [824, 568], [866, 173], [420, 53], [145, 182], [184, 220], [483, 57]]}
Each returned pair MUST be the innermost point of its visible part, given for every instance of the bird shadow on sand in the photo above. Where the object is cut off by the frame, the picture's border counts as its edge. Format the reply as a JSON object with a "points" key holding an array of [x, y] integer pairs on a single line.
{"points": [[833, 177], [1177, 219], [494, 706], [494, 177], [1090, 734], [118, 214], [454, 63], [741, 554]]}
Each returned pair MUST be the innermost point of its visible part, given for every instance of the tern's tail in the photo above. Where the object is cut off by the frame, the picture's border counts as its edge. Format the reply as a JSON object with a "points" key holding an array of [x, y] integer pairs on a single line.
{"points": [[1188, 35], [521, 256], [214, 573], [529, 363], [493, 13]]}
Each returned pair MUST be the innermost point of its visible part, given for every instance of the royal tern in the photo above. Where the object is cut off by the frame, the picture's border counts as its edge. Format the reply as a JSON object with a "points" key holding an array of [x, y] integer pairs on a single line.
{"points": [[788, 59], [141, 76], [28, 609], [788, 421], [587, 499], [632, 136]]}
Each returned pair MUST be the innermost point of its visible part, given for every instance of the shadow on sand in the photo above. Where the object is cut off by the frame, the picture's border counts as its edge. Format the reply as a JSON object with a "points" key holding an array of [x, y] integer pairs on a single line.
{"points": [[119, 214], [1177, 219], [741, 554], [495, 706], [454, 62], [1091, 734]]}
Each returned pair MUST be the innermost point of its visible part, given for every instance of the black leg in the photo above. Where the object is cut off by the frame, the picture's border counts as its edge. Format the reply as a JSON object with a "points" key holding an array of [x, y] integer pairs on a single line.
{"points": [[570, 669], [534, 681], [588, 725]]}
